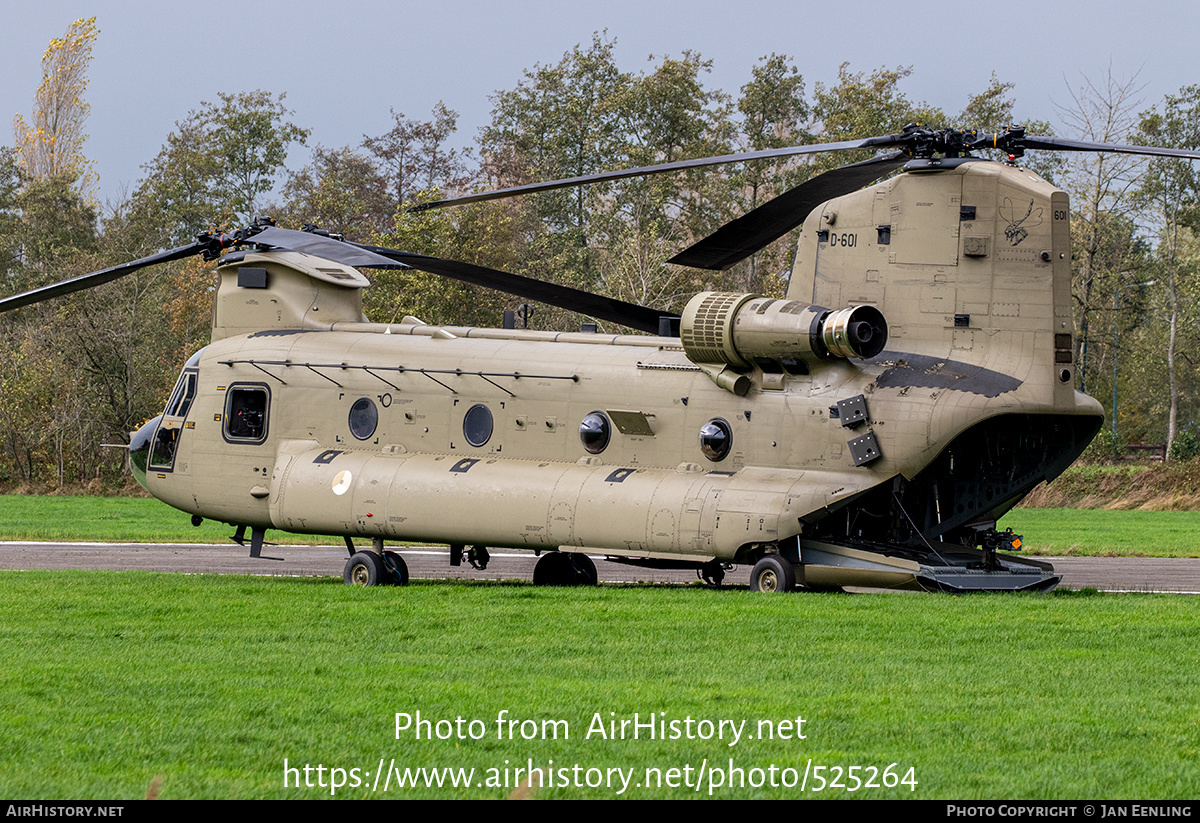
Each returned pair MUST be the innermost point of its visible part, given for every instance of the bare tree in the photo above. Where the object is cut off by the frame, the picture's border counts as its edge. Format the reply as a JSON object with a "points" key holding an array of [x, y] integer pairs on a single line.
{"points": [[1100, 185], [1170, 191]]}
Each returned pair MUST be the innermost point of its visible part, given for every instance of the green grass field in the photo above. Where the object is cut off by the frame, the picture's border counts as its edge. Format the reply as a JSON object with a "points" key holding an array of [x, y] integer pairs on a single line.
{"points": [[205, 685], [1083, 532], [1099, 532], [111, 520]]}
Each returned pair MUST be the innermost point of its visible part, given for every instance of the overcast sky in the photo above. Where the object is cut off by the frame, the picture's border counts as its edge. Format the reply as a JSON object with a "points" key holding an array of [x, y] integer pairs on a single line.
{"points": [[344, 64]]}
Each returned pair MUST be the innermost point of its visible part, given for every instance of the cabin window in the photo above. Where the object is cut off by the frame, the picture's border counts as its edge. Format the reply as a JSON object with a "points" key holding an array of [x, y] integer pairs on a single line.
{"points": [[246, 413], [595, 432], [364, 417], [716, 439], [477, 425]]}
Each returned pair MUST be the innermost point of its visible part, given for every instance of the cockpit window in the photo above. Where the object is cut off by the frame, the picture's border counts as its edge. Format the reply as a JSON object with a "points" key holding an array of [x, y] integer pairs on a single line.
{"points": [[166, 437], [182, 397], [246, 413], [166, 441], [194, 360]]}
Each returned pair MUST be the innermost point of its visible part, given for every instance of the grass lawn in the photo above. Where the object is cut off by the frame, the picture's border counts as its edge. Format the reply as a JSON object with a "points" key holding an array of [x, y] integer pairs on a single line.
{"points": [[113, 520], [1100, 532], [206, 684]]}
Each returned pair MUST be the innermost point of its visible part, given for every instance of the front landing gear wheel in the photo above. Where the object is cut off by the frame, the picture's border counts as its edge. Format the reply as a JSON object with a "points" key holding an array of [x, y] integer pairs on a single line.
{"points": [[397, 569], [585, 570], [773, 574], [364, 569], [564, 569], [713, 573]]}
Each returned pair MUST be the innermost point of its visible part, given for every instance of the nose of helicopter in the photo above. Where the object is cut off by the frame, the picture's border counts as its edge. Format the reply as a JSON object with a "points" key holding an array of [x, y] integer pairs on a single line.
{"points": [[139, 450]]}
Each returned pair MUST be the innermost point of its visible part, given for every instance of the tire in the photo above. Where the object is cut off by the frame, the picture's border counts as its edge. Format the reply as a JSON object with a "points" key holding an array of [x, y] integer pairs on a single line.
{"points": [[773, 574], [713, 573], [364, 569], [585, 570], [554, 569], [395, 569]]}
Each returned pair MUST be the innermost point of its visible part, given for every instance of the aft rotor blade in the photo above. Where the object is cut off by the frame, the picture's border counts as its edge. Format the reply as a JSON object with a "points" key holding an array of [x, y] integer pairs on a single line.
{"points": [[593, 305], [662, 168], [96, 278], [1063, 144], [740, 238]]}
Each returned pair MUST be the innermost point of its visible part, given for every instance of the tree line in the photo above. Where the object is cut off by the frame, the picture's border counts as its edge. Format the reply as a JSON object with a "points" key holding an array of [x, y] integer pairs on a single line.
{"points": [[78, 374]]}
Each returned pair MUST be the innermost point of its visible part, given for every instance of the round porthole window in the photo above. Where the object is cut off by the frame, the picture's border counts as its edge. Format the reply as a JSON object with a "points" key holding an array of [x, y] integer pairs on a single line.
{"points": [[364, 417], [594, 432], [477, 425], [716, 439]]}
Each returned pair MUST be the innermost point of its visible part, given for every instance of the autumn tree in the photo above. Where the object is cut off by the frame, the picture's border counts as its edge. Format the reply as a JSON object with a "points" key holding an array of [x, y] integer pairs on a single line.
{"points": [[415, 155], [340, 190], [860, 106], [774, 113], [218, 166], [488, 234], [47, 232], [46, 180], [10, 215], [558, 122], [586, 115], [665, 114], [53, 146]]}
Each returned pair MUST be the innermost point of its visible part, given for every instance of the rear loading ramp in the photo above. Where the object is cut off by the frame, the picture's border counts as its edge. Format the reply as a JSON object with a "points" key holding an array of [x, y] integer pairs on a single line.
{"points": [[944, 567]]}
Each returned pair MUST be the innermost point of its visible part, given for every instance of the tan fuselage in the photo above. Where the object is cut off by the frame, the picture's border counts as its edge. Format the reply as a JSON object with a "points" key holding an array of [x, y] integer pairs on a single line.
{"points": [[978, 326]]}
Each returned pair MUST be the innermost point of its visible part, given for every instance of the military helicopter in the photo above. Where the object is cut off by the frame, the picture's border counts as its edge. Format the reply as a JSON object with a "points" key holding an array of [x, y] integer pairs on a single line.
{"points": [[869, 429]]}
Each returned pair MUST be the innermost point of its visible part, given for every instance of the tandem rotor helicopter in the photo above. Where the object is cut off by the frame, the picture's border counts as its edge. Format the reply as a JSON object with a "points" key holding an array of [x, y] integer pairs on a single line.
{"points": [[868, 429]]}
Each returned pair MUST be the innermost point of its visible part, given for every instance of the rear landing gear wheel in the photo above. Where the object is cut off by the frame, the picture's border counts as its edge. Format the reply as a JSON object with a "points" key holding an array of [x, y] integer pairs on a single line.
{"points": [[773, 574], [364, 569], [397, 569]]}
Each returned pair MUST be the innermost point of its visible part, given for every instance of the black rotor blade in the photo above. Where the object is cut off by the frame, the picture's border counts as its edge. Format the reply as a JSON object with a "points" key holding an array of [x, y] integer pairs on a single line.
{"points": [[96, 278], [593, 305], [362, 255], [322, 245], [740, 238], [662, 168], [1034, 141]]}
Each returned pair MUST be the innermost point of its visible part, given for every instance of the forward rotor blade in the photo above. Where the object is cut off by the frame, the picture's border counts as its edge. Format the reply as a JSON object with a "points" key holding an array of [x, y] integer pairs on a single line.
{"points": [[1062, 144], [740, 238], [362, 255], [662, 168], [320, 245], [96, 278], [593, 305]]}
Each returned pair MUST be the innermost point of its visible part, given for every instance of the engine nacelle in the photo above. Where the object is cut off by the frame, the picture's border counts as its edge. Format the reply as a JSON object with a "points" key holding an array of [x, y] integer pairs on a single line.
{"points": [[741, 330]]}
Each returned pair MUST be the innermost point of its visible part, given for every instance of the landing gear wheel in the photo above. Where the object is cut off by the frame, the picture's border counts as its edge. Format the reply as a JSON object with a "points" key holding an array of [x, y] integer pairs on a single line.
{"points": [[713, 573], [773, 574], [364, 569], [585, 570], [478, 557], [555, 569], [397, 569]]}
